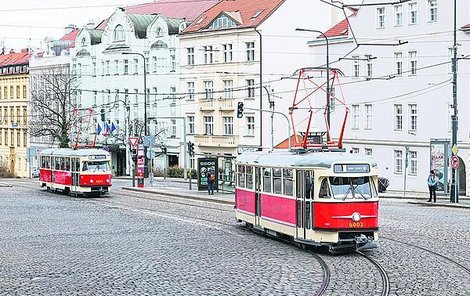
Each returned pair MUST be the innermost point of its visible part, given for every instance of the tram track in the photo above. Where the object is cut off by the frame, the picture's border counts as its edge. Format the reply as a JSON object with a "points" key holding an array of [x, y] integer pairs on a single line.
{"points": [[466, 269], [383, 274], [326, 274]]}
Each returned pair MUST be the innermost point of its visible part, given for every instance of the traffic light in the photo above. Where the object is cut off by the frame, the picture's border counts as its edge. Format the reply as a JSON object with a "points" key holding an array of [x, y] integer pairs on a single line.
{"points": [[103, 119], [191, 148], [240, 110]]}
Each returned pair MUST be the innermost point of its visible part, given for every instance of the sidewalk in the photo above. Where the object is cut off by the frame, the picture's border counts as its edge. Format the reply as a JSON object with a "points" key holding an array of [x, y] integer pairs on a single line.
{"points": [[421, 198]]}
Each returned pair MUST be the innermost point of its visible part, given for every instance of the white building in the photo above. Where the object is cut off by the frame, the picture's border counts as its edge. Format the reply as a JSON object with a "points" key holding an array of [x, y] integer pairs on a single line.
{"points": [[109, 63], [238, 51], [398, 85]]}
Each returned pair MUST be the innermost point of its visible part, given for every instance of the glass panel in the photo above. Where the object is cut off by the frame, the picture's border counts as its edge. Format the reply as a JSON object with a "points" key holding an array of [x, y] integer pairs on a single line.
{"points": [[277, 181], [299, 214], [351, 187], [267, 180], [241, 176], [307, 215], [249, 177], [324, 189], [95, 166], [288, 182]]}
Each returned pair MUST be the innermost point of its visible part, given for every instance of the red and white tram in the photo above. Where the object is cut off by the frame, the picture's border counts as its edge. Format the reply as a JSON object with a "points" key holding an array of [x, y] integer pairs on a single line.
{"points": [[78, 172], [315, 198]]}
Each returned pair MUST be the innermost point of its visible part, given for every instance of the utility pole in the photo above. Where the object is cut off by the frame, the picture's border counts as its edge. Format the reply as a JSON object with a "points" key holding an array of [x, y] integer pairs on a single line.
{"points": [[454, 187], [271, 107]]}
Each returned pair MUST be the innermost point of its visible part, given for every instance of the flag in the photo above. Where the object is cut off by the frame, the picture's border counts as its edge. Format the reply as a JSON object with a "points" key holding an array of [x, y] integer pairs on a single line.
{"points": [[106, 129], [113, 128], [98, 129]]}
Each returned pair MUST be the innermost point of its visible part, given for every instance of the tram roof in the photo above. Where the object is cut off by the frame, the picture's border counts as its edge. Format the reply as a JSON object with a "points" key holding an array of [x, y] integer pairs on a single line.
{"points": [[72, 152], [308, 159]]}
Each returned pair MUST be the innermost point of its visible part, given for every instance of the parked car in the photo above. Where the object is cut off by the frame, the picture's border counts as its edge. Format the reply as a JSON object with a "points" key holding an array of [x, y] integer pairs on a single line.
{"points": [[35, 172]]}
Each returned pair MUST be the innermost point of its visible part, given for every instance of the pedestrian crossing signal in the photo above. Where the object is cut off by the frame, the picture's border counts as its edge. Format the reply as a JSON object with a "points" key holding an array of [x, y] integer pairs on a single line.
{"points": [[240, 110]]}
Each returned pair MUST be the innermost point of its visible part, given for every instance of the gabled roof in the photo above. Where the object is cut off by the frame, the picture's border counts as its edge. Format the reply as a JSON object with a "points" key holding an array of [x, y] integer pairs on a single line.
{"points": [[180, 9], [341, 28], [18, 58], [248, 13], [70, 37]]}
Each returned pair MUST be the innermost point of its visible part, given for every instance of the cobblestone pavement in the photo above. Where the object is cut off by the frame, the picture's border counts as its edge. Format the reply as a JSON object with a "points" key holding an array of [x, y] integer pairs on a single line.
{"points": [[134, 244]]}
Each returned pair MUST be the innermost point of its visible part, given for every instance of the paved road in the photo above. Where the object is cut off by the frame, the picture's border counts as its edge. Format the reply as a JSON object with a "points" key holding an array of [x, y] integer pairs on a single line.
{"points": [[145, 244]]}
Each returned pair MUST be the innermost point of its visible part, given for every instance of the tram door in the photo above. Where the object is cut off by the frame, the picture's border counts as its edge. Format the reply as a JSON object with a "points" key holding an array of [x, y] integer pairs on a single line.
{"points": [[75, 173], [257, 197], [304, 199]]}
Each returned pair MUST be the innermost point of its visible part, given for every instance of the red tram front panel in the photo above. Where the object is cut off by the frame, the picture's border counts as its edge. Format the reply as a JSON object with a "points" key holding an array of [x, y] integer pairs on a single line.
{"points": [[346, 215], [95, 180]]}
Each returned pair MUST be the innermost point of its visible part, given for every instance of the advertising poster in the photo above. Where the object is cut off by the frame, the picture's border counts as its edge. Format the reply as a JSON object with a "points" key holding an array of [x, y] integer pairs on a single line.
{"points": [[439, 152], [205, 165]]}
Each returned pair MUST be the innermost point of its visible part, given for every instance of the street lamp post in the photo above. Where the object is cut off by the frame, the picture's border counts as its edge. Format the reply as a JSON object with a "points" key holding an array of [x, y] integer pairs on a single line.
{"points": [[454, 186], [145, 89], [327, 72]]}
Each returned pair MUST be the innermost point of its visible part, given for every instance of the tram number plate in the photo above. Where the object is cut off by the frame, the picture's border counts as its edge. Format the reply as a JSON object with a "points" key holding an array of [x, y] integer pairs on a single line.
{"points": [[356, 224]]}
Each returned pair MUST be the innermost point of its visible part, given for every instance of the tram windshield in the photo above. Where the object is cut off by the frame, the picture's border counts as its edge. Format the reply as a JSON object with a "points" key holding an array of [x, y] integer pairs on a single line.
{"points": [[95, 166], [352, 188]]}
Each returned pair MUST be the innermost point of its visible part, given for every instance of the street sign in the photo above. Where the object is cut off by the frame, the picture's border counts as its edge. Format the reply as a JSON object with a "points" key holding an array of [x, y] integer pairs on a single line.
{"points": [[455, 149], [150, 154], [133, 141], [455, 162], [148, 141]]}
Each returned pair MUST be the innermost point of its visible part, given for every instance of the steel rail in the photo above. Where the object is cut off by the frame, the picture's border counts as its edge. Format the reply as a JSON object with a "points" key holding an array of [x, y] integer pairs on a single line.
{"points": [[383, 274]]}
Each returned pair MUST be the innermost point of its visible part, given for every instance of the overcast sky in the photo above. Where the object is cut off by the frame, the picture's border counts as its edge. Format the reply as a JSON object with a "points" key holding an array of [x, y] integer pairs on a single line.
{"points": [[22, 20]]}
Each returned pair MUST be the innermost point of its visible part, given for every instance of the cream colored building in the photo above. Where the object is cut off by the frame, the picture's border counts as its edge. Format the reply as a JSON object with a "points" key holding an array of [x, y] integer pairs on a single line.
{"points": [[14, 140]]}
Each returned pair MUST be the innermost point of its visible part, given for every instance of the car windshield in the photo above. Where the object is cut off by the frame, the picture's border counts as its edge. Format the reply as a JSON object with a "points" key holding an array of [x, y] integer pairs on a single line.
{"points": [[95, 166], [352, 188]]}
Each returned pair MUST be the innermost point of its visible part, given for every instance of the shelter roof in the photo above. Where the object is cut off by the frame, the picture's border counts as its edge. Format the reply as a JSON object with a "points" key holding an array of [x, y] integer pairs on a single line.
{"points": [[246, 13]]}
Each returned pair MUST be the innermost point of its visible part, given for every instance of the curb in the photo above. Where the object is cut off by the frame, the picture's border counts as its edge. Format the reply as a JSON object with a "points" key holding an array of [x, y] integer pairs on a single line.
{"points": [[430, 204], [181, 195]]}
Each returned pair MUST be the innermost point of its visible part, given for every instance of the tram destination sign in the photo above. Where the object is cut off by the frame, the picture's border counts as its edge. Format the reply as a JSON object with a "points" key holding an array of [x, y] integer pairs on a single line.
{"points": [[351, 168]]}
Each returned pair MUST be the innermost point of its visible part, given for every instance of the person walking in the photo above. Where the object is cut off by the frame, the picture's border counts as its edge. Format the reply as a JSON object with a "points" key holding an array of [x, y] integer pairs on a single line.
{"points": [[210, 182], [432, 184]]}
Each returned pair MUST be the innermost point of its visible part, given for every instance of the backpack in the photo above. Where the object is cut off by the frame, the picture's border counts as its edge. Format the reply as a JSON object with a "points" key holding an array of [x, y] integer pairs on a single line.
{"points": [[212, 178]]}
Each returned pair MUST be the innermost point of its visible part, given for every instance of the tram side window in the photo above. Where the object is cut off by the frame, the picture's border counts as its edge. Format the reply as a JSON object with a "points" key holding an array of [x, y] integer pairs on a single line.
{"points": [[57, 163], [67, 164], [249, 177], [267, 180], [288, 182], [47, 161], [241, 176], [277, 181], [324, 189]]}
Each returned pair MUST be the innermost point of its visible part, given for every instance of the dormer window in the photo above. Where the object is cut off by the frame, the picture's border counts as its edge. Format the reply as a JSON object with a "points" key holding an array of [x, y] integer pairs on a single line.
{"points": [[159, 32], [222, 22], [83, 41], [119, 33]]}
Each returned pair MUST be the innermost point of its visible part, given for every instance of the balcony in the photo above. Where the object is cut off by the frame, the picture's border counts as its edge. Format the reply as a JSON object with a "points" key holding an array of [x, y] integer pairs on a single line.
{"points": [[216, 141], [207, 105], [226, 105]]}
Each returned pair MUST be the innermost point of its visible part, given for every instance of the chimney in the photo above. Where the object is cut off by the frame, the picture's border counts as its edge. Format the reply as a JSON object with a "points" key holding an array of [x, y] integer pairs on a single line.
{"points": [[69, 28], [12, 51]]}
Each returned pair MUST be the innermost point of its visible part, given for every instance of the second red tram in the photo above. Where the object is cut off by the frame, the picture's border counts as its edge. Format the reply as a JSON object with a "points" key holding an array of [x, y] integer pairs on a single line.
{"points": [[315, 198], [78, 172]]}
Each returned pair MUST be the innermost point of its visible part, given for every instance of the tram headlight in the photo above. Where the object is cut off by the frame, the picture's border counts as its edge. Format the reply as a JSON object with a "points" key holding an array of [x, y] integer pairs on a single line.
{"points": [[356, 217], [91, 181]]}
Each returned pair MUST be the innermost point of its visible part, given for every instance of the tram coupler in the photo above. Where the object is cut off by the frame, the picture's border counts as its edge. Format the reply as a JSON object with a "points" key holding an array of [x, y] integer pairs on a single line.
{"points": [[364, 243]]}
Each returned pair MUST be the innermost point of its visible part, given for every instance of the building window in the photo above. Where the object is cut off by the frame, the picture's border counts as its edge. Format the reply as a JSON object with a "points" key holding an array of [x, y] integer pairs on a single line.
{"points": [[432, 4], [381, 17], [356, 68], [250, 51], [413, 116], [126, 67], [228, 89], [190, 51], [154, 64], [398, 117], [250, 125], [93, 66], [413, 63], [368, 151], [228, 55], [119, 33], [228, 125], [190, 90], [398, 15], [208, 55], [136, 66], [222, 22], [369, 66], [173, 59], [398, 163], [107, 67], [191, 126], [173, 128], [399, 63], [208, 125], [368, 116], [209, 89], [355, 114], [413, 163], [355, 150], [250, 88], [413, 8], [116, 67]]}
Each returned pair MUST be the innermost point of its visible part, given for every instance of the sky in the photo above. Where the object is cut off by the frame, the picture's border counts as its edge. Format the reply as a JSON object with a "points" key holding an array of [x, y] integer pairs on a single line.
{"points": [[25, 23]]}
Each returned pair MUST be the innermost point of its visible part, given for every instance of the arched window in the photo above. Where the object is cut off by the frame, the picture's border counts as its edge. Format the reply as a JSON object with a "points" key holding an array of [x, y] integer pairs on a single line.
{"points": [[119, 33]]}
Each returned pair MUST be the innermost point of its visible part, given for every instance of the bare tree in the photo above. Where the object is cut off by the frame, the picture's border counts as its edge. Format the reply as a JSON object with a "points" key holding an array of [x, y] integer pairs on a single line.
{"points": [[52, 101]]}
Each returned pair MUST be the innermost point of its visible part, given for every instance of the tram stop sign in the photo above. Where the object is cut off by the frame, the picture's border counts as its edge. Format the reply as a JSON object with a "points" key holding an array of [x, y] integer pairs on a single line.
{"points": [[455, 162]]}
